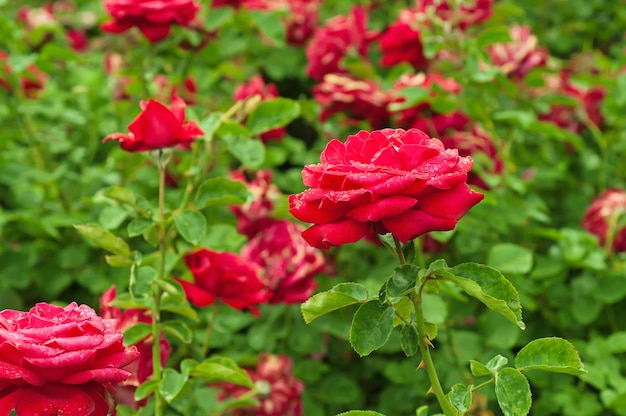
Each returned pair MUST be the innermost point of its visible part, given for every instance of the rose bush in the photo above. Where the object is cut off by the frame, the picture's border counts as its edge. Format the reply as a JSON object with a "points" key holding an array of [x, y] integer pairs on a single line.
{"points": [[56, 360], [396, 181], [603, 216]]}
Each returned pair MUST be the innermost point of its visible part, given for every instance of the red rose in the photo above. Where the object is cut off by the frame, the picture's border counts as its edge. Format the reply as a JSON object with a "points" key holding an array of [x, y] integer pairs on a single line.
{"points": [[518, 57], [256, 86], [359, 99], [56, 360], [603, 215], [142, 368], [31, 81], [422, 116], [396, 181], [226, 277], [288, 263], [402, 41], [153, 18], [280, 393], [466, 15], [475, 141], [255, 215], [332, 42], [158, 127]]}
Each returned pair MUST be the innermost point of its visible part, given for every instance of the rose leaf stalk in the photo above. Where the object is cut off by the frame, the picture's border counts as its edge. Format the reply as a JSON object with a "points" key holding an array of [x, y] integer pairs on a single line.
{"points": [[424, 343]]}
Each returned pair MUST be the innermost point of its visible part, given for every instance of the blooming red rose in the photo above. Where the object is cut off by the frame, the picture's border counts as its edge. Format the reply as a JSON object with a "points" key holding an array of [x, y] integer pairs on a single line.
{"points": [[153, 18], [422, 116], [158, 127], [519, 56], [255, 215], [142, 368], [603, 215], [466, 15], [396, 181], [256, 86], [469, 143], [359, 99], [288, 263], [225, 277], [402, 41], [280, 393], [56, 360], [332, 42]]}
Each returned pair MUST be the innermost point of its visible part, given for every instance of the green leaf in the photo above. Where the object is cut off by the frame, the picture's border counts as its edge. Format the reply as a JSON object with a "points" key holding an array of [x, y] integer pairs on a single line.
{"points": [[496, 363], [479, 369], [409, 339], [215, 369], [271, 25], [491, 288], [550, 354], [402, 281], [360, 413], [191, 225], [146, 389], [510, 258], [136, 333], [118, 261], [126, 196], [461, 396], [172, 383], [413, 96], [340, 296], [220, 191], [178, 329], [211, 123], [271, 114], [491, 35], [141, 282], [138, 226], [513, 392], [104, 239], [371, 327]]}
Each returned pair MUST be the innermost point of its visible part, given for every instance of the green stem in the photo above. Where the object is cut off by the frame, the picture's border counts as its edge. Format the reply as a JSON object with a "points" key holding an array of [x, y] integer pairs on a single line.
{"points": [[419, 252], [481, 385], [399, 251], [209, 330]]}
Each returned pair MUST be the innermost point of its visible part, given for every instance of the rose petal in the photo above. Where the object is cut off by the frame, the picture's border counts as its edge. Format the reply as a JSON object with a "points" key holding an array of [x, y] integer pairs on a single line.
{"points": [[199, 297], [8, 399], [414, 223], [384, 208], [155, 126], [324, 236], [452, 203], [55, 399]]}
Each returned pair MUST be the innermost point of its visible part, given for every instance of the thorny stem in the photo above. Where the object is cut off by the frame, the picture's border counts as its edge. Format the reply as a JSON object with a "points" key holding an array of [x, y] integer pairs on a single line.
{"points": [[424, 343]]}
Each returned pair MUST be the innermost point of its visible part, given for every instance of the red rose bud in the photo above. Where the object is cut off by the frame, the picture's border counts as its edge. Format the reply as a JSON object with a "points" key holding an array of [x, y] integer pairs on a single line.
{"points": [[158, 127], [331, 43], [402, 42], [469, 143], [153, 18], [280, 393], [257, 87], [225, 277], [288, 263], [359, 99], [255, 215], [142, 368], [58, 360], [469, 13], [518, 57], [422, 116], [396, 181], [603, 215]]}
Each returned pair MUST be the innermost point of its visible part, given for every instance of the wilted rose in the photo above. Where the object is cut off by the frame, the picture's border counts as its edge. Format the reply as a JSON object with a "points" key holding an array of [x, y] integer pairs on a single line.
{"points": [[153, 18], [359, 99], [396, 181], [603, 216], [257, 87], [142, 368], [158, 127], [402, 41], [57, 360], [225, 277], [331, 43], [519, 56], [280, 393], [288, 264]]}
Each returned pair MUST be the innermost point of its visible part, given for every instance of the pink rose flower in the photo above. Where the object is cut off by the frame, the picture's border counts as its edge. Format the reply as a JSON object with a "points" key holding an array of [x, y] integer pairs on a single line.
{"points": [[225, 277], [256, 86], [602, 216], [402, 41], [142, 368], [288, 264], [396, 181], [158, 127], [280, 392], [56, 360], [359, 99], [153, 18], [332, 42], [518, 57], [257, 214]]}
